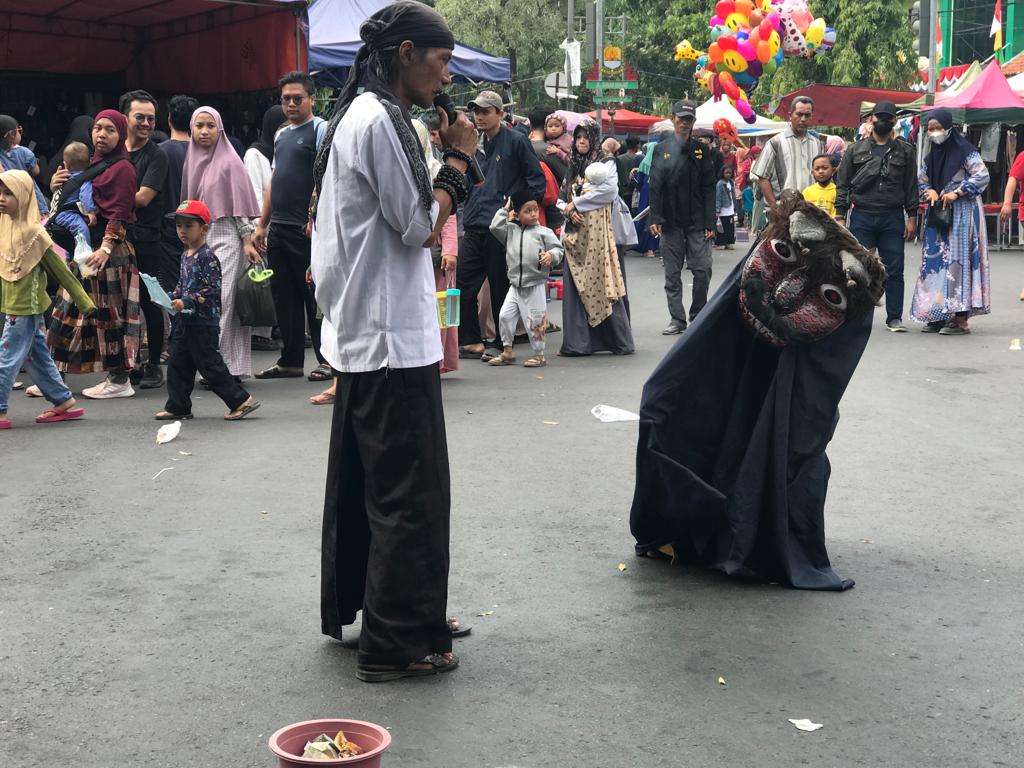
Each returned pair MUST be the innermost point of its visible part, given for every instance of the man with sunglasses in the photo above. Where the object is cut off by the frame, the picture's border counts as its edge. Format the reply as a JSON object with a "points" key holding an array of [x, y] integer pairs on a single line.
{"points": [[283, 229], [151, 175], [878, 181]]}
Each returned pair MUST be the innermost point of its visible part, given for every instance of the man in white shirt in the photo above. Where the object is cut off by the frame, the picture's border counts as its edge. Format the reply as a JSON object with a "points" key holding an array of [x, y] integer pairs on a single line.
{"points": [[386, 512]]}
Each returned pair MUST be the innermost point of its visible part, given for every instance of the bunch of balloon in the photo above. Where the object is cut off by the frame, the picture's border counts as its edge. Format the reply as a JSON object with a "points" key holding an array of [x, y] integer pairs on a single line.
{"points": [[749, 39]]}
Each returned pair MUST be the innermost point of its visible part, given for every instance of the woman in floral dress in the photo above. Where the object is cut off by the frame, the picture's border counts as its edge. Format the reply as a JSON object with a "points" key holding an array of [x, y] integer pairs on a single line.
{"points": [[954, 283]]}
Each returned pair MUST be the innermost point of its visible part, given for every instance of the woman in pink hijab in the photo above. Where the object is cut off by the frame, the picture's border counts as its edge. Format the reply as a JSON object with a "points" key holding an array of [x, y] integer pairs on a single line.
{"points": [[215, 174]]}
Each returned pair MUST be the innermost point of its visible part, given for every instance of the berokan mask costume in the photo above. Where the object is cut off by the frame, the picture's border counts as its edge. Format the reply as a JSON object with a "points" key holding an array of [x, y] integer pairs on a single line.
{"points": [[734, 422]]}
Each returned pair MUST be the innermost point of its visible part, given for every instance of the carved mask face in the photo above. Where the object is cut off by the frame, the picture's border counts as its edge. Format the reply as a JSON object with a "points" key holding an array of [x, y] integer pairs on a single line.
{"points": [[796, 286]]}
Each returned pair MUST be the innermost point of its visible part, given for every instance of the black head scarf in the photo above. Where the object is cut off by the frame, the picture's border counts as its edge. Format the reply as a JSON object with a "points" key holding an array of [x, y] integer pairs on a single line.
{"points": [[945, 159], [578, 163], [381, 34], [273, 119]]}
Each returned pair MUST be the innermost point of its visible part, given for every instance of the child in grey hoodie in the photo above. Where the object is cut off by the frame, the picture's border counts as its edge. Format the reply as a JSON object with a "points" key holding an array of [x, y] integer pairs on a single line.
{"points": [[530, 252]]}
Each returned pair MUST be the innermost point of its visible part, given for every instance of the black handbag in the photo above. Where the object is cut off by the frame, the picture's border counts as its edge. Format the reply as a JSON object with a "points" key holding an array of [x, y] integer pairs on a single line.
{"points": [[254, 302], [940, 217]]}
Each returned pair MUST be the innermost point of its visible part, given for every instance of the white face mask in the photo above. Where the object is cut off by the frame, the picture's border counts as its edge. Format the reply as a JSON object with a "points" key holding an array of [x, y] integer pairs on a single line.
{"points": [[937, 137]]}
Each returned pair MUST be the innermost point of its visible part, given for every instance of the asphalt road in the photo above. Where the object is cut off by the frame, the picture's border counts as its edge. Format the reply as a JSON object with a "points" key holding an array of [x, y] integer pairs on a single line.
{"points": [[174, 621]]}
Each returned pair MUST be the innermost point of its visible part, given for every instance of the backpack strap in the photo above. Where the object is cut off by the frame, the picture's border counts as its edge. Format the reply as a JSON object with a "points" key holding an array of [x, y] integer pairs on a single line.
{"points": [[71, 186]]}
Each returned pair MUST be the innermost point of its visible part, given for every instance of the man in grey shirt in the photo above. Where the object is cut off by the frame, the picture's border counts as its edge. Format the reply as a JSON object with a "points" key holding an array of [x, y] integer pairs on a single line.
{"points": [[786, 160]]}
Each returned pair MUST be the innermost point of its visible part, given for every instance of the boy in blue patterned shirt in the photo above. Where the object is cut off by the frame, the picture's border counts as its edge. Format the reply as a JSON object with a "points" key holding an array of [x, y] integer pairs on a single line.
{"points": [[196, 334]]}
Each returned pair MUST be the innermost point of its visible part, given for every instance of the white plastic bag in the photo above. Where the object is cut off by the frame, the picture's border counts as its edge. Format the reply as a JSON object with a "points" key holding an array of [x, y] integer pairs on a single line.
{"points": [[83, 252]]}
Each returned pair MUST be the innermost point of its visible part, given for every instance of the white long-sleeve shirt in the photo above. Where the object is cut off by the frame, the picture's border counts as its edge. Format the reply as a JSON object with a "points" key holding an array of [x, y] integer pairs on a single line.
{"points": [[374, 279]]}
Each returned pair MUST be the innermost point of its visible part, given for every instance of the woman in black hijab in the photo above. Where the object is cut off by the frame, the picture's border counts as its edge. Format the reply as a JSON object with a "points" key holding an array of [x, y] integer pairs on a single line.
{"points": [[273, 119]]}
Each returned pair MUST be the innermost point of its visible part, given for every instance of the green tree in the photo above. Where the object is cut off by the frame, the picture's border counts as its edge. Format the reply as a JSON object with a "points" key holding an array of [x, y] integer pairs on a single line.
{"points": [[528, 31]]}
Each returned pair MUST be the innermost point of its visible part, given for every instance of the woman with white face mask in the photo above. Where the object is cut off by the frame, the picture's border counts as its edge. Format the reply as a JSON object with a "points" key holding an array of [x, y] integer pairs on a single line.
{"points": [[954, 282]]}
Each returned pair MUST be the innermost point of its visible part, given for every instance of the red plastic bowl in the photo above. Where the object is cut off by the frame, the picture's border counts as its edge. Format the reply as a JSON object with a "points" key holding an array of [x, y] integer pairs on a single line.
{"points": [[289, 742]]}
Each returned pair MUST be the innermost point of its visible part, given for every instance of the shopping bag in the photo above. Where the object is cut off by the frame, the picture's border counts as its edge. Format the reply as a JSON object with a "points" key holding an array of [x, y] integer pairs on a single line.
{"points": [[254, 303]]}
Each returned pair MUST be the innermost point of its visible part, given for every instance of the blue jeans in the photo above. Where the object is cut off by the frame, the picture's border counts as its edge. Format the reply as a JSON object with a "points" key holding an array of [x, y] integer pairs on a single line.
{"points": [[884, 231], [23, 342]]}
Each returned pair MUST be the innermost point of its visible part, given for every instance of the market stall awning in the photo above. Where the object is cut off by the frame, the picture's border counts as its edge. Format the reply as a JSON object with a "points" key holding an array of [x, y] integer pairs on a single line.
{"points": [[967, 76], [626, 121], [195, 46], [989, 99], [839, 105], [334, 42]]}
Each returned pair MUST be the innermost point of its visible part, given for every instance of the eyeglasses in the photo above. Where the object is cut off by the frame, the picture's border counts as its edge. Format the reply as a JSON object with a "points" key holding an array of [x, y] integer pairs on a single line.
{"points": [[140, 119], [296, 100]]}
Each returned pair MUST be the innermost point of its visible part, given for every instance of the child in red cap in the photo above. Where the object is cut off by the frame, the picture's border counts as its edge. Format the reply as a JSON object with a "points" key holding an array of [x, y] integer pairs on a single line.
{"points": [[194, 340]]}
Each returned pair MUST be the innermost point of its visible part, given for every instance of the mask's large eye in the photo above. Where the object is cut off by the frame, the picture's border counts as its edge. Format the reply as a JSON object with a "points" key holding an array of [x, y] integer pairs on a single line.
{"points": [[783, 250], [834, 295]]}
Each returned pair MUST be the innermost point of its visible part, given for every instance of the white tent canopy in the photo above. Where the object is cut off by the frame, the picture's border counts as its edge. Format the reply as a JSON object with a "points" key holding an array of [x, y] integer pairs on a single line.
{"points": [[712, 110]]}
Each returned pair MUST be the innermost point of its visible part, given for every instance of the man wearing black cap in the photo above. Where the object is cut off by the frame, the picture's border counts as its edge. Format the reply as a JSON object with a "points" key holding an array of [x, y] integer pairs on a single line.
{"points": [[509, 165], [878, 181], [683, 213]]}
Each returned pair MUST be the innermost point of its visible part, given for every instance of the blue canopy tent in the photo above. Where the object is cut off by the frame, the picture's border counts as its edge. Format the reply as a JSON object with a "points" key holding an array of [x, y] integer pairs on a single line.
{"points": [[334, 42]]}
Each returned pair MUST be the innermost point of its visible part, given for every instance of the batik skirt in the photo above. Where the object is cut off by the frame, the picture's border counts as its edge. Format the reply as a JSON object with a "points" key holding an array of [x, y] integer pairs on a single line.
{"points": [[109, 339]]}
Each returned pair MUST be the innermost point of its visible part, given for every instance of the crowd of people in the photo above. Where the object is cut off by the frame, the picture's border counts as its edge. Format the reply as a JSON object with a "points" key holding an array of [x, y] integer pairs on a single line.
{"points": [[117, 188]]}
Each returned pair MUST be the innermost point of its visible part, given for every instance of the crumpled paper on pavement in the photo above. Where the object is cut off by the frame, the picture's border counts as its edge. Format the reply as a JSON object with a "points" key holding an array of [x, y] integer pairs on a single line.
{"points": [[609, 413], [805, 725]]}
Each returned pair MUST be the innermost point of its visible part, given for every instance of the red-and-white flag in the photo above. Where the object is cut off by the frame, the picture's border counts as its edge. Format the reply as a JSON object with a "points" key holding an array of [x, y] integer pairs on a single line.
{"points": [[997, 27]]}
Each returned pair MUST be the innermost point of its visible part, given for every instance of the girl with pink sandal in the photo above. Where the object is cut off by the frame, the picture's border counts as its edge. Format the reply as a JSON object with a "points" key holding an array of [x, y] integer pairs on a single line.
{"points": [[26, 257]]}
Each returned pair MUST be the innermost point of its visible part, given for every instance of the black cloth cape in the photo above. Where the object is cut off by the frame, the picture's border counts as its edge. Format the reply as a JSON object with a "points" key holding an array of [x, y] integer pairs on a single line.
{"points": [[731, 467]]}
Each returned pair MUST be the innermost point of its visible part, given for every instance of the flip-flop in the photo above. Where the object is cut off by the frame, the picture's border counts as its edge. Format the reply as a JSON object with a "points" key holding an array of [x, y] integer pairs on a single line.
{"points": [[5, 424], [320, 373], [52, 415], [17, 386], [533, 362], [245, 411], [168, 416], [489, 354], [277, 372], [499, 360], [372, 673], [468, 354], [324, 398]]}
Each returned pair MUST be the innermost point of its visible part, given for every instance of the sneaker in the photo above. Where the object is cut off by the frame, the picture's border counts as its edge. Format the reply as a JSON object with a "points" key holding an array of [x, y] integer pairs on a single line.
{"points": [[954, 329], [152, 377], [896, 326], [673, 329], [263, 344], [932, 328], [135, 375], [108, 390]]}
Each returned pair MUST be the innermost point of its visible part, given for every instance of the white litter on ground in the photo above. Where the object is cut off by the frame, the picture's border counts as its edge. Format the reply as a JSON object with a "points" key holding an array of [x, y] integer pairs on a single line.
{"points": [[805, 725], [167, 432], [608, 413]]}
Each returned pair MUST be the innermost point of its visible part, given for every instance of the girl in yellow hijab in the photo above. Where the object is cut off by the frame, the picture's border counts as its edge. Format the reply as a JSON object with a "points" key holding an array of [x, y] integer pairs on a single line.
{"points": [[26, 257]]}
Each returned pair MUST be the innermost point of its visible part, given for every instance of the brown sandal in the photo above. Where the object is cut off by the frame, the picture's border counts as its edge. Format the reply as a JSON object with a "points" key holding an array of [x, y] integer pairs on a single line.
{"points": [[434, 664]]}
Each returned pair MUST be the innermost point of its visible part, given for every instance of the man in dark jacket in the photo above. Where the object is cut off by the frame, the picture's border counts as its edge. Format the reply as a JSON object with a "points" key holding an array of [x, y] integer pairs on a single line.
{"points": [[878, 180], [683, 213], [509, 164]]}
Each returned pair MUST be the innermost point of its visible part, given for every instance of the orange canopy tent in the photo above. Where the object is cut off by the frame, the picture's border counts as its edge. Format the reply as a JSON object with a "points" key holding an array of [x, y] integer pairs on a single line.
{"points": [[626, 121]]}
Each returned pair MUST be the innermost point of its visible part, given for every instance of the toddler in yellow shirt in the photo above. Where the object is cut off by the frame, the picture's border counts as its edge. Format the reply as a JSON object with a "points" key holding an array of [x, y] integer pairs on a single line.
{"points": [[823, 192]]}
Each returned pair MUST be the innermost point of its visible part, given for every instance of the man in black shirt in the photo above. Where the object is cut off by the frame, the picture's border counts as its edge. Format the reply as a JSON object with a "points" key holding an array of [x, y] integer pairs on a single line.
{"points": [[284, 229], [179, 117], [683, 213], [151, 176], [878, 180]]}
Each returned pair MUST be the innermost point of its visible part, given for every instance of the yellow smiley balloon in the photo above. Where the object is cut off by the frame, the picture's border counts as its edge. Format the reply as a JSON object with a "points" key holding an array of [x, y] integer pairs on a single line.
{"points": [[774, 43], [737, 21], [734, 60]]}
